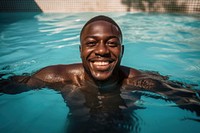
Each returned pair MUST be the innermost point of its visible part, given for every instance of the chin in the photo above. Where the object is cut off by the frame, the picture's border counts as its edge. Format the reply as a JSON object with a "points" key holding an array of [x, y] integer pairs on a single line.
{"points": [[102, 70], [101, 76]]}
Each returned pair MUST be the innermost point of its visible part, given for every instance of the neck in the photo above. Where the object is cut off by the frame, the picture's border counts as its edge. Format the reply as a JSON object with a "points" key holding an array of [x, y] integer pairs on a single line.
{"points": [[105, 85]]}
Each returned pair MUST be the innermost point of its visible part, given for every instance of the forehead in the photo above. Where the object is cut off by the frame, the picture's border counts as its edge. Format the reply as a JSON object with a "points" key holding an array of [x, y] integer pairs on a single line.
{"points": [[101, 28]]}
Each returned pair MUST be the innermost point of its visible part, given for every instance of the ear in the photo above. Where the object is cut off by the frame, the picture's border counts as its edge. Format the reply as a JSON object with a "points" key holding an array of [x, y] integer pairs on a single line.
{"points": [[122, 50], [80, 49]]}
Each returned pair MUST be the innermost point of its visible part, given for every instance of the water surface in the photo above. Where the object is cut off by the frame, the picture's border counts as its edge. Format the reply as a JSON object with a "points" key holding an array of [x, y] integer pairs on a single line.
{"points": [[165, 43]]}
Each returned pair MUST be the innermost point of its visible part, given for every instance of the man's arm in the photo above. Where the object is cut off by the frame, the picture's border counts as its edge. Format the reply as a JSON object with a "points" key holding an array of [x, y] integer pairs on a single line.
{"points": [[185, 98], [54, 77], [19, 84]]}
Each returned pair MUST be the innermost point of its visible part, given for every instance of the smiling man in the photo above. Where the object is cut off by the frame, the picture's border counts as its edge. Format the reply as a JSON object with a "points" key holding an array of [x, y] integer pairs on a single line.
{"points": [[97, 91], [101, 51]]}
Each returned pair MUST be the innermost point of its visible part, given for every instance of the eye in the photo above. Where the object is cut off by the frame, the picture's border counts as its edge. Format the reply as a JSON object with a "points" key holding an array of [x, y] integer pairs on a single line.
{"points": [[91, 43], [113, 43]]}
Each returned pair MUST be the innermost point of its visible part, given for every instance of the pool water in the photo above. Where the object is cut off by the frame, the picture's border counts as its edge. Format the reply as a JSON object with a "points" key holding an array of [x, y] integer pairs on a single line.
{"points": [[165, 43]]}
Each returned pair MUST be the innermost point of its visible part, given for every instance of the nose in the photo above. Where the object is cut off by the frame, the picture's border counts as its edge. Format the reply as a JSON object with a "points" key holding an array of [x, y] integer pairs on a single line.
{"points": [[102, 49]]}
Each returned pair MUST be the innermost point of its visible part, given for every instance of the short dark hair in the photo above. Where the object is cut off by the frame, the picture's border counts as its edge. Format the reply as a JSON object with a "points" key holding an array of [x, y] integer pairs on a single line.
{"points": [[101, 18]]}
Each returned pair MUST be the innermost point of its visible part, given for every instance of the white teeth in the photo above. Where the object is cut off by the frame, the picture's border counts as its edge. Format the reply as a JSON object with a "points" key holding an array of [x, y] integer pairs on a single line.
{"points": [[101, 63]]}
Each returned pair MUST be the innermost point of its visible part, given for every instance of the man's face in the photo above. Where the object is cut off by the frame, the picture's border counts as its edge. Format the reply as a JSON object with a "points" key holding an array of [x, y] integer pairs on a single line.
{"points": [[101, 50]]}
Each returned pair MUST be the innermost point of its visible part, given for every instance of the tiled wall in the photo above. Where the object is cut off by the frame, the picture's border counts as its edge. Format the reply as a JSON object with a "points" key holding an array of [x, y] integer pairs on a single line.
{"points": [[18, 6], [185, 6]]}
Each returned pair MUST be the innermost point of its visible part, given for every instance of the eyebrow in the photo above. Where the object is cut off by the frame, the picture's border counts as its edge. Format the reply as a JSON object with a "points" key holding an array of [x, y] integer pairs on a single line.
{"points": [[109, 37]]}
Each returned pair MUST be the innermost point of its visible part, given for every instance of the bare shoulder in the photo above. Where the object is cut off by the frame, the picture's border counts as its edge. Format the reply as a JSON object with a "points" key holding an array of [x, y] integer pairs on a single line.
{"points": [[59, 73], [130, 72], [134, 73], [142, 79]]}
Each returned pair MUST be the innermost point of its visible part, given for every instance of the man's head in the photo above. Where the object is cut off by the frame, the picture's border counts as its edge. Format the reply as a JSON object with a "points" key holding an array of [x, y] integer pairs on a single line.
{"points": [[101, 48]]}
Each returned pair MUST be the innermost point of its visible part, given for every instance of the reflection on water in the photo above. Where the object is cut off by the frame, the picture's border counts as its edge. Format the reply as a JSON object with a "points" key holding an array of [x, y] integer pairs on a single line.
{"points": [[101, 112], [114, 110]]}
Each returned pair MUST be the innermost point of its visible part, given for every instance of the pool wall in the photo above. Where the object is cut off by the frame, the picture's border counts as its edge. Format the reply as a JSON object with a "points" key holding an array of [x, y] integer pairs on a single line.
{"points": [[180, 6]]}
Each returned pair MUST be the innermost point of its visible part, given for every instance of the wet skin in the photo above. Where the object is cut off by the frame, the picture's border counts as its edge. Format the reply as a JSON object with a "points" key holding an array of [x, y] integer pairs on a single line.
{"points": [[97, 84], [101, 51]]}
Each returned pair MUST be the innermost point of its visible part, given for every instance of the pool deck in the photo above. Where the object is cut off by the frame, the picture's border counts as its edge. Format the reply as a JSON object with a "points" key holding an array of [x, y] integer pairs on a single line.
{"points": [[180, 6]]}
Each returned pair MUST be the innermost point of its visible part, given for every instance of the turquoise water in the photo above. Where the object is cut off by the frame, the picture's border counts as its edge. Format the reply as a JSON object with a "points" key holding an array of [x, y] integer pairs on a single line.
{"points": [[165, 43]]}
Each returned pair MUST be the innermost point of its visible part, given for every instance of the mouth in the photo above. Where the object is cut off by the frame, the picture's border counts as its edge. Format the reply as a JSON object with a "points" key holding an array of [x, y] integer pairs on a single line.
{"points": [[101, 65]]}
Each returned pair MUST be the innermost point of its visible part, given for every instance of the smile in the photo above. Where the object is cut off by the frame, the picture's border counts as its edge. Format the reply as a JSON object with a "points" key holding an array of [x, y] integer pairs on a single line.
{"points": [[101, 65]]}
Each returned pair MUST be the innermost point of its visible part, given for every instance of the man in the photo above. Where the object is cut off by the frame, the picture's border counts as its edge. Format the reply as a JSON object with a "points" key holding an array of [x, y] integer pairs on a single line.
{"points": [[94, 90]]}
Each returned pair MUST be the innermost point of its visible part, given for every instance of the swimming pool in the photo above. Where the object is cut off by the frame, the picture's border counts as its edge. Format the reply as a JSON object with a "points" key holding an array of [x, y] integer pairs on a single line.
{"points": [[166, 43]]}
